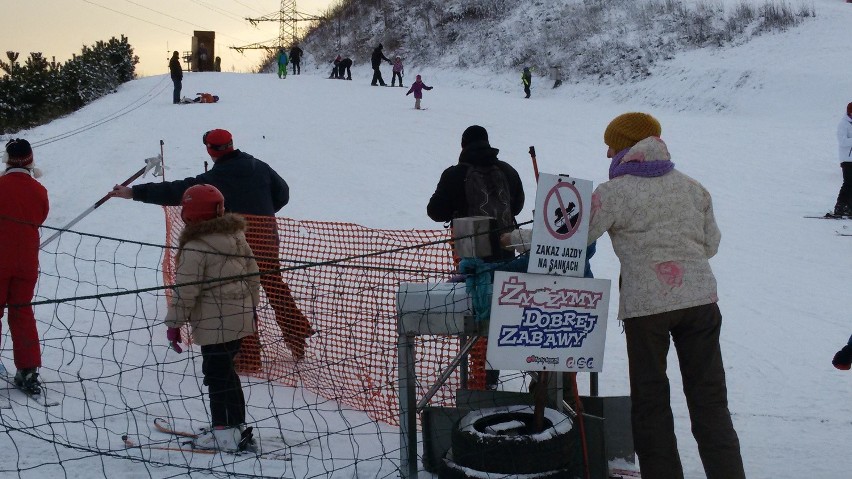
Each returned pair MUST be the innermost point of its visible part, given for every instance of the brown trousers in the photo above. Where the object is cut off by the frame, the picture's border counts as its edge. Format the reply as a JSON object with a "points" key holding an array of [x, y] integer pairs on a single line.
{"points": [[262, 237], [695, 332]]}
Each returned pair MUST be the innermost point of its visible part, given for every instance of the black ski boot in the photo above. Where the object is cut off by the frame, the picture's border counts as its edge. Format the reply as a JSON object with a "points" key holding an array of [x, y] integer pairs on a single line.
{"points": [[27, 381], [247, 442]]}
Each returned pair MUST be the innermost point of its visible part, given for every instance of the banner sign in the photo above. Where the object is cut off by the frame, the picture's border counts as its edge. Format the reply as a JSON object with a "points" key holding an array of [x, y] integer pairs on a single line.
{"points": [[547, 323]]}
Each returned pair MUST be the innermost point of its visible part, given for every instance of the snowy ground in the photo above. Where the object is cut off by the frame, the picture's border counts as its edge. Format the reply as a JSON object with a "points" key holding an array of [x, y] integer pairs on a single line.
{"points": [[755, 124]]}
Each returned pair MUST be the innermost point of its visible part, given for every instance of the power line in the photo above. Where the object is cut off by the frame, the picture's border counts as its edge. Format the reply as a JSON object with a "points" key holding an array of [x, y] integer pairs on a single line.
{"points": [[201, 27], [133, 17], [248, 6], [218, 10]]}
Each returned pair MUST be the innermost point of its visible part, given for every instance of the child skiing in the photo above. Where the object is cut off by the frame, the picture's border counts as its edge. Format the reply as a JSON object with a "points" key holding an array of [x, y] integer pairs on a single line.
{"points": [[526, 78], [843, 207], [417, 88], [220, 313], [398, 71], [282, 64], [23, 208]]}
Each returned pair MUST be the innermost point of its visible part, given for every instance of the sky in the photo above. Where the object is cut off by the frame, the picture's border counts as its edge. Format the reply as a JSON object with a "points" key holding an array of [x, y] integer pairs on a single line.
{"points": [[756, 129], [59, 28]]}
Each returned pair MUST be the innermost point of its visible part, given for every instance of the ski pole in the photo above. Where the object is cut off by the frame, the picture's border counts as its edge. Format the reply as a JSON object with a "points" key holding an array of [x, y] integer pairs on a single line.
{"points": [[535, 163], [150, 164]]}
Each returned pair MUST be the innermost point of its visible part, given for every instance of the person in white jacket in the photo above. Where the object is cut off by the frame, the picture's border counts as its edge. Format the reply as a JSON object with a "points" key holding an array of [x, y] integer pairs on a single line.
{"points": [[663, 231], [843, 207]]}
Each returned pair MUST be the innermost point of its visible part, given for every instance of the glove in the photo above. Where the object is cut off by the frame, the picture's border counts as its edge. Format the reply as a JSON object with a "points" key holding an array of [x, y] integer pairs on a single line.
{"points": [[518, 240], [843, 358], [173, 335]]}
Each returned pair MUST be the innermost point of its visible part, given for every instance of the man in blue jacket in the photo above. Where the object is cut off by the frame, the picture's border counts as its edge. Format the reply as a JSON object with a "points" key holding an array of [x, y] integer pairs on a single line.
{"points": [[250, 187]]}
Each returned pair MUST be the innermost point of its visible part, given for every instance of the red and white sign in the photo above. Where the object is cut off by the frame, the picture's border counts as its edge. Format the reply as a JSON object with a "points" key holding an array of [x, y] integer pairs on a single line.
{"points": [[560, 225]]}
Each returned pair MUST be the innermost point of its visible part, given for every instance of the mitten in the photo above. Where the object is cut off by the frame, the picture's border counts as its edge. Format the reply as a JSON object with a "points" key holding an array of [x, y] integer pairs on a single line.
{"points": [[173, 335], [843, 358], [518, 240]]}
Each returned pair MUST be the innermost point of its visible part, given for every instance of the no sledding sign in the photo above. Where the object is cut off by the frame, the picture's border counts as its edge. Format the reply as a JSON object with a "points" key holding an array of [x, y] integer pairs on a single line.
{"points": [[560, 225]]}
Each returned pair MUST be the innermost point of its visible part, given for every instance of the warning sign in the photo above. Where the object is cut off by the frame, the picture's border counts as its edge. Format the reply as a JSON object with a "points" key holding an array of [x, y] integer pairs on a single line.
{"points": [[547, 323], [560, 225]]}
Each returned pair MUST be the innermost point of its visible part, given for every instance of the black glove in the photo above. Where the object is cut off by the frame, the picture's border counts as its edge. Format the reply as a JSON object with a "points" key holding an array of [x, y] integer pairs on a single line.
{"points": [[843, 358]]}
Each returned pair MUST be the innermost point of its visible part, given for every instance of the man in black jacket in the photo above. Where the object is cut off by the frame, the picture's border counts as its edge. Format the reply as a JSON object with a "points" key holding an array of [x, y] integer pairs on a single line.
{"points": [[451, 200], [177, 76], [344, 67], [296, 59], [376, 61], [250, 187]]}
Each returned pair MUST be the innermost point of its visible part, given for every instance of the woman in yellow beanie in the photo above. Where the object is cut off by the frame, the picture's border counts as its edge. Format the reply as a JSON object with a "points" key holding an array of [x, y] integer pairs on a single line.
{"points": [[663, 230]]}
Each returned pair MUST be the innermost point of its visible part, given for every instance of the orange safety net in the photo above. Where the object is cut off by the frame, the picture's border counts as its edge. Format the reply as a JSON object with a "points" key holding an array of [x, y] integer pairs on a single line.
{"points": [[329, 321]]}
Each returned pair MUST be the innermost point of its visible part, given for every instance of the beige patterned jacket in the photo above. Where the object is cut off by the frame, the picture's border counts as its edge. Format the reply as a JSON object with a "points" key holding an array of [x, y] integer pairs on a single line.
{"points": [[663, 232]]}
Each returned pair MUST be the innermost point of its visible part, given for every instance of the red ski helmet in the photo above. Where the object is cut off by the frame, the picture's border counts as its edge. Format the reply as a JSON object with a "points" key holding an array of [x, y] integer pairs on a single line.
{"points": [[201, 203]]}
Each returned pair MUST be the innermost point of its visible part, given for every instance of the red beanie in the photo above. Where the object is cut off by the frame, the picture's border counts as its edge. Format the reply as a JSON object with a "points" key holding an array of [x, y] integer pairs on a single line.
{"points": [[20, 154], [218, 142], [849, 109]]}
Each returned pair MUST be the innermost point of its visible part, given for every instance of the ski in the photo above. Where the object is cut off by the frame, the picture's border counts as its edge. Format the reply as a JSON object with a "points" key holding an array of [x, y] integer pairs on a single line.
{"points": [[131, 444], [830, 216], [163, 425], [40, 399], [623, 474]]}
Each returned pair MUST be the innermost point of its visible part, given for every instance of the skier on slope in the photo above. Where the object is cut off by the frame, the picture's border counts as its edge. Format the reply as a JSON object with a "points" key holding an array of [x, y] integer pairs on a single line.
{"points": [[282, 64], [344, 67], [376, 62], [296, 59], [843, 207], [398, 71], [238, 176], [417, 88], [526, 79], [212, 246], [23, 208]]}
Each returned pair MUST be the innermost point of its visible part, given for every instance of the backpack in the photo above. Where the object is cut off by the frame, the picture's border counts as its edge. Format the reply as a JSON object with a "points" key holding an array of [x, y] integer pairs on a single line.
{"points": [[486, 190]]}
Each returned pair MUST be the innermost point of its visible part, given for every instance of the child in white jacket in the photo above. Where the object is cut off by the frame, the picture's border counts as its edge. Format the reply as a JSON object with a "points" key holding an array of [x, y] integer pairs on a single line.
{"points": [[220, 313], [843, 207]]}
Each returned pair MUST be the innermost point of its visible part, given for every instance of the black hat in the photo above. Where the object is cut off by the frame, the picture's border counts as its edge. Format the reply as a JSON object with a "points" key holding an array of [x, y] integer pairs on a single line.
{"points": [[472, 134], [20, 152]]}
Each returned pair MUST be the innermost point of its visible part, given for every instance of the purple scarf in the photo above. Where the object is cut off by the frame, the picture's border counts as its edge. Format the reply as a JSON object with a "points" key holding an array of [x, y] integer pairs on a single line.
{"points": [[647, 169]]}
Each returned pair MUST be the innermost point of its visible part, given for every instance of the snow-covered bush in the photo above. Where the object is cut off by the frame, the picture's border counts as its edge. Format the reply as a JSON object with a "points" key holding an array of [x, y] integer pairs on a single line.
{"points": [[39, 91], [583, 40]]}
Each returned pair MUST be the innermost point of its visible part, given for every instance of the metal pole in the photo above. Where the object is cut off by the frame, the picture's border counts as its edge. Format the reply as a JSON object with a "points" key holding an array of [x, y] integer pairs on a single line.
{"points": [[407, 408], [463, 352], [150, 163]]}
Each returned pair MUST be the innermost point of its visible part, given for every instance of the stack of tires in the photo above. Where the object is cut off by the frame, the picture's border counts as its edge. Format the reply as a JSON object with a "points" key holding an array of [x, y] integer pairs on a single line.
{"points": [[499, 442]]}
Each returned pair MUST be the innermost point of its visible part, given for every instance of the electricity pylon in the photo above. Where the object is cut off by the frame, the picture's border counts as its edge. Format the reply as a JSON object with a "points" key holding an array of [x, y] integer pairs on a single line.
{"points": [[288, 34]]}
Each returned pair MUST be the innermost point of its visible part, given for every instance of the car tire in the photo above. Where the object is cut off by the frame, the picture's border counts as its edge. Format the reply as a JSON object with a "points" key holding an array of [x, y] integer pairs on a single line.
{"points": [[500, 440]]}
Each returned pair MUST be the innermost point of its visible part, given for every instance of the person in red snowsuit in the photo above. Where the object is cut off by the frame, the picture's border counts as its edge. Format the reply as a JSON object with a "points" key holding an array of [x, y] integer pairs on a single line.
{"points": [[23, 208]]}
